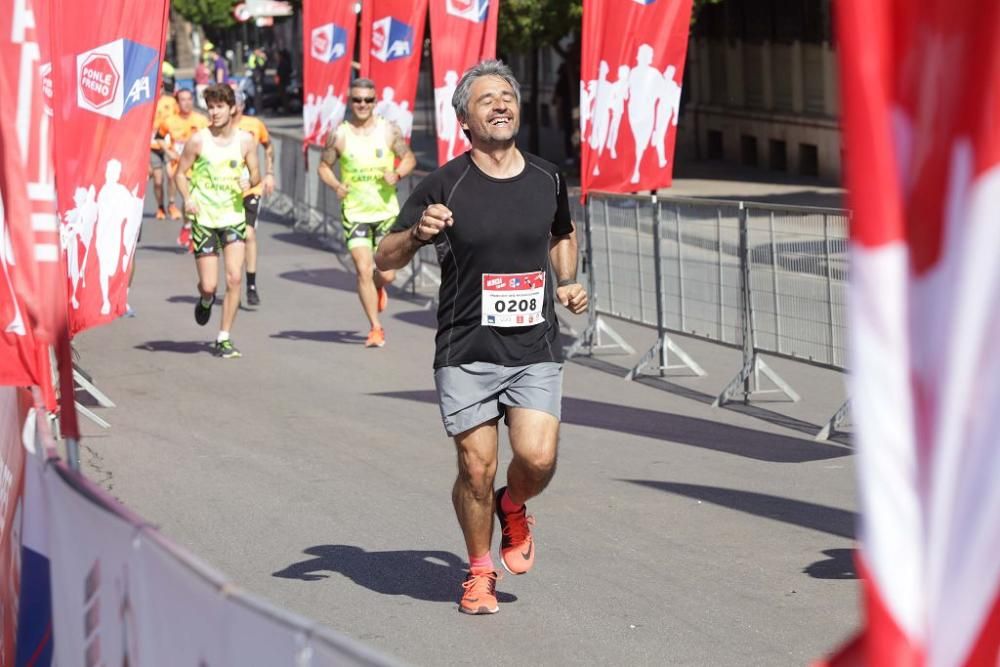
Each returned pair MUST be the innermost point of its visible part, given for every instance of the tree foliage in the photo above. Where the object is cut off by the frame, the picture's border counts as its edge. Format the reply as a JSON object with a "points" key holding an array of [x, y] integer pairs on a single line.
{"points": [[528, 24], [206, 13]]}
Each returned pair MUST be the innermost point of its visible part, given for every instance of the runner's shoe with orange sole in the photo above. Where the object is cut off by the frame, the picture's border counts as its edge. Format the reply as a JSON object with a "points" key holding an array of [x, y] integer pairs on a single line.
{"points": [[517, 547], [376, 338], [383, 299], [480, 594], [161, 214], [175, 213]]}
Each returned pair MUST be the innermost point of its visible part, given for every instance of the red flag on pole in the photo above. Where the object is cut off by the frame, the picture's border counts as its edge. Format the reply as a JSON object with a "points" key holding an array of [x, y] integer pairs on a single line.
{"points": [[921, 84], [392, 41], [328, 30], [106, 58], [463, 32], [32, 292], [631, 70]]}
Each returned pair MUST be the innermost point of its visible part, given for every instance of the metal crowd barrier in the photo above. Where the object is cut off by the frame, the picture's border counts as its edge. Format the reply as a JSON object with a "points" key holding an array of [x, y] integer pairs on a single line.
{"points": [[763, 278]]}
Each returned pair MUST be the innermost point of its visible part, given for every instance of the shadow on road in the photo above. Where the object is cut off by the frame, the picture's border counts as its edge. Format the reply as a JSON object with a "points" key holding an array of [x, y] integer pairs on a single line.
{"points": [[830, 520], [169, 249], [434, 576], [670, 427], [664, 384], [328, 277], [178, 346], [348, 337], [839, 565], [421, 318]]}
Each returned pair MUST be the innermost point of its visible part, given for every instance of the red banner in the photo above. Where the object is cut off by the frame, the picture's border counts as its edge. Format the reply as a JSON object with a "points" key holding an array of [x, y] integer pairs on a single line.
{"points": [[923, 168], [466, 32], [328, 28], [631, 70], [14, 405], [392, 39], [105, 69], [32, 298]]}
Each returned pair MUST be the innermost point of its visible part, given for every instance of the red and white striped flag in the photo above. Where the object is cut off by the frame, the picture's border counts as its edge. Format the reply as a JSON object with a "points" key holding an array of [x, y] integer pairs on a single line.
{"points": [[392, 42], [921, 91], [466, 33], [32, 286]]}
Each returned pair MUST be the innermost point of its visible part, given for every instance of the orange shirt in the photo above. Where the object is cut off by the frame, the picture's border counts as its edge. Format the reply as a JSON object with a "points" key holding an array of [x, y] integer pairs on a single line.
{"points": [[180, 128], [256, 128], [166, 106]]}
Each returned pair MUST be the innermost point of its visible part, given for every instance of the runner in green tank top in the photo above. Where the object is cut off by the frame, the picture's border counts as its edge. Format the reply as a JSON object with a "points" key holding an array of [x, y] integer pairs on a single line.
{"points": [[367, 147], [213, 197]]}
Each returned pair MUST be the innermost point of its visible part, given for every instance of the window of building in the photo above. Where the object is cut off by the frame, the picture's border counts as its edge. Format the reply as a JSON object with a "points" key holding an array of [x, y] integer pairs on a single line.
{"points": [[778, 155], [808, 160], [715, 147], [748, 150]]}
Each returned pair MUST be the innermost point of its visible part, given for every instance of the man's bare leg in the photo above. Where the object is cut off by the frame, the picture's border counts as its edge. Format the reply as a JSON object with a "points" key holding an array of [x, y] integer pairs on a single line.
{"points": [[534, 438], [472, 494], [364, 262], [233, 256]]}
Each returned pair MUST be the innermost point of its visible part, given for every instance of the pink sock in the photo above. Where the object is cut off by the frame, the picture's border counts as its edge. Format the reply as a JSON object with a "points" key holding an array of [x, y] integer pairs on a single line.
{"points": [[482, 563], [507, 505]]}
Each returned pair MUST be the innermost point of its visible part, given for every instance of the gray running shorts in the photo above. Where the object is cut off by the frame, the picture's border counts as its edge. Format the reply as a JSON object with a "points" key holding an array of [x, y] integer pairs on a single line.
{"points": [[473, 394]]}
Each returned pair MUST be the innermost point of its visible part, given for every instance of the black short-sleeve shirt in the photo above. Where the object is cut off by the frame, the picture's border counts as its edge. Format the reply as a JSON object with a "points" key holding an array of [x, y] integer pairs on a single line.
{"points": [[502, 226]]}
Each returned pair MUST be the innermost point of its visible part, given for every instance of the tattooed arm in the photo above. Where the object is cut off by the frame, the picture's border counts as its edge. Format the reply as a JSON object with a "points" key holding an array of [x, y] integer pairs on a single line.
{"points": [[331, 153], [407, 160]]}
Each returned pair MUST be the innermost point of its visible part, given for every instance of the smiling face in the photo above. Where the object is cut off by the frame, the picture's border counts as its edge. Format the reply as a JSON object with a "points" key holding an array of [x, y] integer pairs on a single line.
{"points": [[362, 103], [493, 115]]}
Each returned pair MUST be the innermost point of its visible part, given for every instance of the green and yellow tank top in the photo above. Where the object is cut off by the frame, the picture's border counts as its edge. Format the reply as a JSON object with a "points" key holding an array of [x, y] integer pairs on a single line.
{"points": [[215, 182], [363, 164]]}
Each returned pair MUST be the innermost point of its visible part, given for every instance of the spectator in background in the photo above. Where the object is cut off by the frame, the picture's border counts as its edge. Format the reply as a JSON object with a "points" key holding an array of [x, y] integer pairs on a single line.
{"points": [[284, 77], [202, 77], [256, 63], [220, 68]]}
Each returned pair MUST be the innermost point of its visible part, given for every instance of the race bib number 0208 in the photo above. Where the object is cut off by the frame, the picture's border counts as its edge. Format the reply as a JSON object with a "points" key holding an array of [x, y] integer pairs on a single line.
{"points": [[513, 299]]}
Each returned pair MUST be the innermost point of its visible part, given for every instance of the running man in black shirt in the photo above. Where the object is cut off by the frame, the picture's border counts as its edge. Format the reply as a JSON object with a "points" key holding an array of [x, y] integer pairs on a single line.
{"points": [[500, 222]]}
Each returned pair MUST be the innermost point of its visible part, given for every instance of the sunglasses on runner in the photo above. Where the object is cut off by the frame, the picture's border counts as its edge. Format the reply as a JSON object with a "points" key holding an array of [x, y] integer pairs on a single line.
{"points": [[363, 100]]}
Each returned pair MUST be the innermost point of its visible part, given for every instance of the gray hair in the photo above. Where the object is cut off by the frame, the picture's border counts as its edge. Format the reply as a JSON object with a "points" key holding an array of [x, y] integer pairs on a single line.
{"points": [[460, 100], [362, 83]]}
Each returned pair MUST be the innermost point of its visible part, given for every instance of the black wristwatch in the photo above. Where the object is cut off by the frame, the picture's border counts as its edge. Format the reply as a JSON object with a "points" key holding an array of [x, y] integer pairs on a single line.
{"points": [[417, 238], [567, 281]]}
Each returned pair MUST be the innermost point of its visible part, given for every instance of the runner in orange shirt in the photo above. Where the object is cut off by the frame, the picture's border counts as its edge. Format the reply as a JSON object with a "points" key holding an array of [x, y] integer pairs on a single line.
{"points": [[178, 128], [251, 195], [166, 106]]}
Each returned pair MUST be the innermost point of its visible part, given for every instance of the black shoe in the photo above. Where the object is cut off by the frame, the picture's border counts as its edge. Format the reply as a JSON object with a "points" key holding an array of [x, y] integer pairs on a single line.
{"points": [[203, 313], [225, 349], [253, 299]]}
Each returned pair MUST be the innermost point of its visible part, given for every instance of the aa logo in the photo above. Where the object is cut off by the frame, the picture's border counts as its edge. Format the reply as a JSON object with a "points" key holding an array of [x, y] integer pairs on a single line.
{"points": [[328, 43], [391, 39], [470, 10], [116, 77]]}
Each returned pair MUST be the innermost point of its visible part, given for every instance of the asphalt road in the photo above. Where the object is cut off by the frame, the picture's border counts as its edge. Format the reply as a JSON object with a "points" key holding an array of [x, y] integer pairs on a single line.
{"points": [[316, 473]]}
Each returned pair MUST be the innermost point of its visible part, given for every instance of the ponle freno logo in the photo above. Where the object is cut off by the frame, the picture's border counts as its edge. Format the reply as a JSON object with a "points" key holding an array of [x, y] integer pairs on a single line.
{"points": [[99, 79], [328, 43], [116, 77], [470, 10], [391, 39]]}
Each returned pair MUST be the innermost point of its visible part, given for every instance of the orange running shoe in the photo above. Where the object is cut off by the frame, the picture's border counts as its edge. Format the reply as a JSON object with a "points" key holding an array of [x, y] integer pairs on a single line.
{"points": [[383, 299], [480, 596], [161, 214], [175, 213], [376, 338], [517, 547]]}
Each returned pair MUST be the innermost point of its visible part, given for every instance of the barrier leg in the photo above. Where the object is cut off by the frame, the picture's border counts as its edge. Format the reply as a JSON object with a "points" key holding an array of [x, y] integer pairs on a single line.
{"points": [[752, 368], [660, 352], [85, 382], [89, 414], [836, 421]]}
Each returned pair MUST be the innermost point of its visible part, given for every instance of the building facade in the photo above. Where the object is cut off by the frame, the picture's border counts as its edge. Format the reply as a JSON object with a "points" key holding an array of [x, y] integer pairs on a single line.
{"points": [[761, 87]]}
